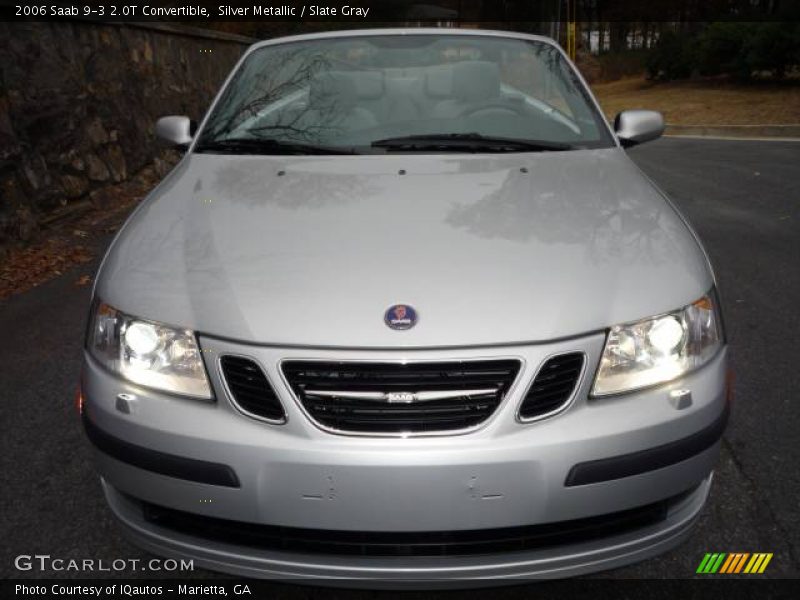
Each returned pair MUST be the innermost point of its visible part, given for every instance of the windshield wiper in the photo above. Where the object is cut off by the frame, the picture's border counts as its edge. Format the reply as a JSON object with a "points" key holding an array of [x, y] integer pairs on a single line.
{"points": [[468, 142], [267, 146]]}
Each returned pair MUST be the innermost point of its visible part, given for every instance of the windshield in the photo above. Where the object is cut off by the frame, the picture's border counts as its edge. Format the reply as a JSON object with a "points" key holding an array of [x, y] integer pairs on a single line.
{"points": [[409, 93]]}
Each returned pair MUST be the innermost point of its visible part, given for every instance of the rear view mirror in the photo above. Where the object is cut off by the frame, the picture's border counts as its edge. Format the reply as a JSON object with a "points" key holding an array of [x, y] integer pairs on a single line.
{"points": [[638, 126], [176, 130]]}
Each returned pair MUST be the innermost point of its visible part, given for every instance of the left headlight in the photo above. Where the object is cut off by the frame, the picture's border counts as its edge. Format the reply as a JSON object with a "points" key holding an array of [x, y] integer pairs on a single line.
{"points": [[148, 353], [659, 349]]}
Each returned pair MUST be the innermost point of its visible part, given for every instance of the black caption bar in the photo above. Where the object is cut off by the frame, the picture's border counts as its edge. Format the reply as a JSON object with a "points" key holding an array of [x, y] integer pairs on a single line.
{"points": [[219, 589], [409, 12]]}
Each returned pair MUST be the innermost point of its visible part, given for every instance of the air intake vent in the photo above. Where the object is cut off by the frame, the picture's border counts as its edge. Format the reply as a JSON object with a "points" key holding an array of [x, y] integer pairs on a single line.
{"points": [[250, 389], [553, 386], [397, 398]]}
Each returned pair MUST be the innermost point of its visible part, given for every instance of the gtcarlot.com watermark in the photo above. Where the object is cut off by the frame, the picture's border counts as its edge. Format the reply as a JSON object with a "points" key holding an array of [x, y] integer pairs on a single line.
{"points": [[46, 562]]}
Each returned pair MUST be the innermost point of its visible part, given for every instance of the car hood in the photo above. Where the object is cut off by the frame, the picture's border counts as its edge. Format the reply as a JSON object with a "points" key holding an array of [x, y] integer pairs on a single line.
{"points": [[489, 249]]}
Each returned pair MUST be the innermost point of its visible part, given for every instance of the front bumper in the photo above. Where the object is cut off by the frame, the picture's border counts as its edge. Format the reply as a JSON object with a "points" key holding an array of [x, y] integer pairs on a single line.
{"points": [[505, 474], [415, 572]]}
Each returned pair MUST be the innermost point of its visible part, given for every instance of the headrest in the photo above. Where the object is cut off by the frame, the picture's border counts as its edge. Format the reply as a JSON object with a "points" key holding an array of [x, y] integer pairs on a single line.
{"points": [[370, 85], [439, 81], [476, 81]]}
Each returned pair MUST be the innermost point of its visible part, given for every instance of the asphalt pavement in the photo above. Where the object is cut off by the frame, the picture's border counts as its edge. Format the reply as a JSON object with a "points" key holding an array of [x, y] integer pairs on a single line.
{"points": [[742, 197]]}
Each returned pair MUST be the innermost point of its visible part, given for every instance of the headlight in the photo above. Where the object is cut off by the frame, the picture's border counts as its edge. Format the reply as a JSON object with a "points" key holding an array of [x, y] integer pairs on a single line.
{"points": [[148, 353], [658, 349]]}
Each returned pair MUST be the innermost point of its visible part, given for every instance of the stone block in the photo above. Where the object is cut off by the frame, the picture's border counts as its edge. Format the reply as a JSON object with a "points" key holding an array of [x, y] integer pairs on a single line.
{"points": [[97, 168]]}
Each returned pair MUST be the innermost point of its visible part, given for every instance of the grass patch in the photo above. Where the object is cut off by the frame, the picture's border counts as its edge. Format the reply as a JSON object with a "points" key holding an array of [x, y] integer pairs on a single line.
{"points": [[712, 101]]}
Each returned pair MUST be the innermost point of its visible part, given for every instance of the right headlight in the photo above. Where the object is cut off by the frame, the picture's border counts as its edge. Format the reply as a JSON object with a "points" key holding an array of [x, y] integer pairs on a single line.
{"points": [[147, 353], [659, 349]]}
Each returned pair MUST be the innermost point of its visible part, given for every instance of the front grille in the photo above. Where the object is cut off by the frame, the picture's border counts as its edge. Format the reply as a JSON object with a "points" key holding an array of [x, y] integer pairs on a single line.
{"points": [[415, 543], [250, 389], [553, 386], [395, 398]]}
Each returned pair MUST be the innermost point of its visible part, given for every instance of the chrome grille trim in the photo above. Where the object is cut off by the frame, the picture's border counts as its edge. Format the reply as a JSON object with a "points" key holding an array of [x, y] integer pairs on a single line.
{"points": [[402, 397], [473, 394]]}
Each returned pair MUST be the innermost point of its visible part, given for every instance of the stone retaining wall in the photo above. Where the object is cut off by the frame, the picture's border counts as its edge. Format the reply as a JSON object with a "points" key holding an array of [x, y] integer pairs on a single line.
{"points": [[78, 103]]}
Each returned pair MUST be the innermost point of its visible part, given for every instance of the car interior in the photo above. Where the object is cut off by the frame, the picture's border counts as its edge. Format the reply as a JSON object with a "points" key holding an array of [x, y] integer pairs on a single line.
{"points": [[352, 106]]}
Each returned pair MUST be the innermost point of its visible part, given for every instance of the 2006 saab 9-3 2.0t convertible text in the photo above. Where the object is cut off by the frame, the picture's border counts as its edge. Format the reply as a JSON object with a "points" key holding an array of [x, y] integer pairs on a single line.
{"points": [[406, 312]]}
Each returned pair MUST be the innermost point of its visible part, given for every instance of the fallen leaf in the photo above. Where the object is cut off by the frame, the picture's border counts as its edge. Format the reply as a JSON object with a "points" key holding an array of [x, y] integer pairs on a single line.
{"points": [[84, 280]]}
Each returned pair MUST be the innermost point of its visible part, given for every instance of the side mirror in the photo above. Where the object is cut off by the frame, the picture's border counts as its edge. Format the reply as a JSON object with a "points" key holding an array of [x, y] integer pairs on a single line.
{"points": [[638, 126], [176, 130]]}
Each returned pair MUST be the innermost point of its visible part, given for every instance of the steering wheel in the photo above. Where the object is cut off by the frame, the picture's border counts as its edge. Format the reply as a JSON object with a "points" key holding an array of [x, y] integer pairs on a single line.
{"points": [[471, 110]]}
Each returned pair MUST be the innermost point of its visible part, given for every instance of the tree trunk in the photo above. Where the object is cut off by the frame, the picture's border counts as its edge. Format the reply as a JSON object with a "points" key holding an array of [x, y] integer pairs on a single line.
{"points": [[618, 36]]}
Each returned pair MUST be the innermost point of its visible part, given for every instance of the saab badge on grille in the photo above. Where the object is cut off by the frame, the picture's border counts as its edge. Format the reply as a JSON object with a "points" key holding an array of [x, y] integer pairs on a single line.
{"points": [[400, 316]]}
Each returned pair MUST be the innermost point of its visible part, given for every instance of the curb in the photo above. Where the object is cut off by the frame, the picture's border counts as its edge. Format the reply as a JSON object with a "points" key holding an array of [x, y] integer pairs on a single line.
{"points": [[735, 131]]}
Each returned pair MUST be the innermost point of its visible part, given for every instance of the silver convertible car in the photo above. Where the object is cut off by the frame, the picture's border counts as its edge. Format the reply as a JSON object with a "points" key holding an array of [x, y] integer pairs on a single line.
{"points": [[406, 313]]}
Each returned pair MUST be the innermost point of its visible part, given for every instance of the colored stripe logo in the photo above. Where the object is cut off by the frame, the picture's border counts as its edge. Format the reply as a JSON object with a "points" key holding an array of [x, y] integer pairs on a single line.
{"points": [[734, 562]]}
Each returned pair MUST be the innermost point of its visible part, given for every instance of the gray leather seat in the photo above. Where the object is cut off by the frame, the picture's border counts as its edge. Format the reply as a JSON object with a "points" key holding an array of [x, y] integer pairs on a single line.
{"points": [[474, 84], [333, 103]]}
